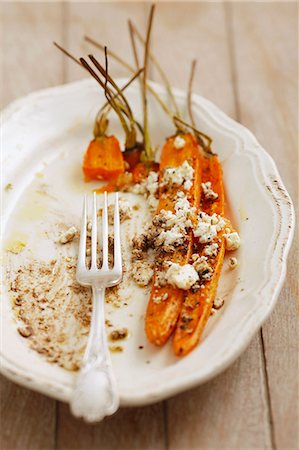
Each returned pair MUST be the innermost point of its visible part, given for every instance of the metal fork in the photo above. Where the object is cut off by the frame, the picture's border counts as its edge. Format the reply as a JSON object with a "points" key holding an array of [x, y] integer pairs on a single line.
{"points": [[96, 395]]}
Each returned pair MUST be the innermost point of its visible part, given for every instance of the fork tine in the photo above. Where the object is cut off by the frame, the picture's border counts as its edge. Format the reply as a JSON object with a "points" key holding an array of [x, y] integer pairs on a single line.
{"points": [[94, 233], [82, 243], [117, 248], [105, 264]]}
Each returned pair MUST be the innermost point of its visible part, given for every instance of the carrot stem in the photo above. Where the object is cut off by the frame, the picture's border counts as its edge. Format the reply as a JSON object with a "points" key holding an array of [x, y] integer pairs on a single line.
{"points": [[131, 69], [190, 84], [148, 152], [161, 72]]}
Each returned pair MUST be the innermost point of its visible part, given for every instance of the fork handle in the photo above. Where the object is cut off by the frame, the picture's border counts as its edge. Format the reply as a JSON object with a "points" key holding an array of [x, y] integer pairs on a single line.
{"points": [[96, 395]]}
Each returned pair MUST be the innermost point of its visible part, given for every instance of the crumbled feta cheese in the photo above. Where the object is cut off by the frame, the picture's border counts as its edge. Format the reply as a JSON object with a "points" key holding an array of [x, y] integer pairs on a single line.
{"points": [[211, 250], [160, 278], [68, 235], [232, 263], [152, 202], [203, 269], [218, 303], [205, 232], [151, 183], [232, 241], [142, 273], [183, 210], [165, 218], [208, 191], [179, 142], [208, 227], [177, 176], [168, 229], [170, 239], [182, 277], [138, 189], [188, 185], [148, 187]]}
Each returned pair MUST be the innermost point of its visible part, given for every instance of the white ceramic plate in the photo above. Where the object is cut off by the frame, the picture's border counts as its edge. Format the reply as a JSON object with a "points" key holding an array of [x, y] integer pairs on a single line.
{"points": [[48, 131]]}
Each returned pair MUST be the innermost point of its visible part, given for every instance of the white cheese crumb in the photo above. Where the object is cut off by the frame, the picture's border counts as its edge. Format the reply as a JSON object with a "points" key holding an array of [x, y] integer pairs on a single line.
{"points": [[183, 210], [168, 218], [151, 183], [188, 185], [170, 238], [232, 241], [177, 176], [149, 188], [138, 189], [179, 142], [208, 227], [142, 273], [232, 263], [182, 277], [152, 203], [68, 235], [211, 250], [205, 232], [208, 191]]}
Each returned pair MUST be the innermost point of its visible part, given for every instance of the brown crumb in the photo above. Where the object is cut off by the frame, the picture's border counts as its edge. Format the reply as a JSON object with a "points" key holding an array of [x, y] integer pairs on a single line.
{"points": [[118, 335], [57, 308], [218, 303], [25, 331], [8, 187], [116, 348]]}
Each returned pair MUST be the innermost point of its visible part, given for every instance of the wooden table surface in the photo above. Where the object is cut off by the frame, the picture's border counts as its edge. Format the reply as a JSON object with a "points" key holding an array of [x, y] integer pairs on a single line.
{"points": [[247, 65]]}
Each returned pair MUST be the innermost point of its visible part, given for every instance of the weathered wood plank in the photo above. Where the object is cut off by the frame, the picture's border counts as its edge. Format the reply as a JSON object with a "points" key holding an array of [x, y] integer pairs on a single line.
{"points": [[134, 428], [29, 62], [27, 419], [266, 53], [129, 428], [29, 59], [195, 31], [231, 411], [105, 22]]}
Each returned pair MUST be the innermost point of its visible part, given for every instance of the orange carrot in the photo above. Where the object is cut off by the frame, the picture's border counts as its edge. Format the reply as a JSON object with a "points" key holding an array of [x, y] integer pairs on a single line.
{"points": [[197, 306], [132, 157], [109, 187], [103, 159], [161, 316], [140, 172]]}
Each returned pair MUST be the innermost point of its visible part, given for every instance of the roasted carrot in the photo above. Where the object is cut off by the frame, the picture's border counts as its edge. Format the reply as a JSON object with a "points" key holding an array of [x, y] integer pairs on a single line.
{"points": [[103, 159], [132, 157], [197, 306], [109, 187], [140, 172], [161, 317]]}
